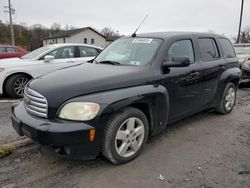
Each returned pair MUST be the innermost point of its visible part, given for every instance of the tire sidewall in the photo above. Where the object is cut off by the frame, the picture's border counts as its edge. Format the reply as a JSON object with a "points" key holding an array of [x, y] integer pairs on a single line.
{"points": [[10, 85], [126, 114]]}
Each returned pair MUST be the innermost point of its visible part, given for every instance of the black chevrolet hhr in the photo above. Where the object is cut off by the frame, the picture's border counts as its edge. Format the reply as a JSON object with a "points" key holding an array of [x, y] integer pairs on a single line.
{"points": [[132, 90]]}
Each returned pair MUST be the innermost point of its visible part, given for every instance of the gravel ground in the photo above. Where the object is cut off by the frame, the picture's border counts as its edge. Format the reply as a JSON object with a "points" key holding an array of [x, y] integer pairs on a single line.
{"points": [[205, 150]]}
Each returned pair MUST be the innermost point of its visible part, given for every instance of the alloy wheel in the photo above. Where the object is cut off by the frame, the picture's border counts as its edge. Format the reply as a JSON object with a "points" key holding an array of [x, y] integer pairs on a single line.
{"points": [[129, 137], [230, 98], [19, 85]]}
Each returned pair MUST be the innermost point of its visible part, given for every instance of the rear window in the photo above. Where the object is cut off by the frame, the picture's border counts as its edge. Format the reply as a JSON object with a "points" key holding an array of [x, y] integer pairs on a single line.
{"points": [[11, 50], [227, 48], [208, 49], [2, 49]]}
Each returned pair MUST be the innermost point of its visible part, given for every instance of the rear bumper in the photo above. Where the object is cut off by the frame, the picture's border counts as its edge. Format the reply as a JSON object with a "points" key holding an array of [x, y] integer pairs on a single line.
{"points": [[68, 139]]}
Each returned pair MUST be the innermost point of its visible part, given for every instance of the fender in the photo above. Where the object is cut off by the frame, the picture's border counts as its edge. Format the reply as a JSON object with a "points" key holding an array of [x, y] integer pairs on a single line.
{"points": [[153, 97], [227, 76]]}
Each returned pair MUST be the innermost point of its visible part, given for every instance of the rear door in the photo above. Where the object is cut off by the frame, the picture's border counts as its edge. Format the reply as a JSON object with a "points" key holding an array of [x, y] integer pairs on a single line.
{"points": [[86, 53], [212, 64]]}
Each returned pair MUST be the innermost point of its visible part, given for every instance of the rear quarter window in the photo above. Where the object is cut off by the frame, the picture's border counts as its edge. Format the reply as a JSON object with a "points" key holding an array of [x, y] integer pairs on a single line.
{"points": [[208, 49], [227, 48]]}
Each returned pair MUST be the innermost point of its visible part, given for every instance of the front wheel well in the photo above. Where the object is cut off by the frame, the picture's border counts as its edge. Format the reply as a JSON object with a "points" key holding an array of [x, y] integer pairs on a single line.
{"points": [[235, 81], [21, 73], [146, 110]]}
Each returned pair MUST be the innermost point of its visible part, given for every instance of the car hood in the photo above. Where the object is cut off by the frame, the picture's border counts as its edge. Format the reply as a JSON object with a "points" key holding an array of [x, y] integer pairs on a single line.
{"points": [[13, 62], [64, 84]]}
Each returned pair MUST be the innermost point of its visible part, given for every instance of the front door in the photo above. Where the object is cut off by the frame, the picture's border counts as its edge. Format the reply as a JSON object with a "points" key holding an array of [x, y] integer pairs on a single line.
{"points": [[183, 83]]}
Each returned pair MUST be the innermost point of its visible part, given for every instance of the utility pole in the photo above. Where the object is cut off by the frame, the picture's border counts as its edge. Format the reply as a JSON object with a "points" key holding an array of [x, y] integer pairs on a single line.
{"points": [[241, 13], [11, 11]]}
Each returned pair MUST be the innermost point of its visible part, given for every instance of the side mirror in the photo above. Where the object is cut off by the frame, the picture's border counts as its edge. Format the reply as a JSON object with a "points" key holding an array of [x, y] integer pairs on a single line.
{"points": [[177, 62], [49, 58]]}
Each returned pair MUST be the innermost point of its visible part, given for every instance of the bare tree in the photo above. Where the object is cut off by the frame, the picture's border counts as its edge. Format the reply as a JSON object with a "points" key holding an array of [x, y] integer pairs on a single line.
{"points": [[55, 27], [110, 33]]}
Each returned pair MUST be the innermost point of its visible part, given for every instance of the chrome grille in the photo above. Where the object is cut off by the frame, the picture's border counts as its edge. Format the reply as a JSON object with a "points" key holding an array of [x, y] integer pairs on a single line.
{"points": [[35, 103]]}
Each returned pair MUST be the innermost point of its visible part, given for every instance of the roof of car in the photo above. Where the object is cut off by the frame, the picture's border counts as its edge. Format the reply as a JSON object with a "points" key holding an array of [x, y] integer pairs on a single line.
{"points": [[6, 45], [166, 35], [73, 44]]}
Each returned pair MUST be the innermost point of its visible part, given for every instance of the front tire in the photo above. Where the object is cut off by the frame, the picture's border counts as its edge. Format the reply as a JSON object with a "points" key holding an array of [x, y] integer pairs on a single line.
{"points": [[15, 85], [125, 135], [228, 99]]}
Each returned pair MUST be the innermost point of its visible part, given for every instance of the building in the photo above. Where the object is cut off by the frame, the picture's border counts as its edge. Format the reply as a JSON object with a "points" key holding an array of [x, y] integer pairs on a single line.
{"points": [[86, 35]]}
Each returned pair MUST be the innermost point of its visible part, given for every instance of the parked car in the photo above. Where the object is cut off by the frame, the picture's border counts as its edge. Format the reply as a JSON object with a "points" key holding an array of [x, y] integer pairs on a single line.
{"points": [[242, 52], [245, 69], [8, 51], [16, 72], [133, 89]]}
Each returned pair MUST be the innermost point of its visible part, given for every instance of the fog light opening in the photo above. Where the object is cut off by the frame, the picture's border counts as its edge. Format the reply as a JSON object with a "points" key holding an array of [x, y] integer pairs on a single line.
{"points": [[67, 150]]}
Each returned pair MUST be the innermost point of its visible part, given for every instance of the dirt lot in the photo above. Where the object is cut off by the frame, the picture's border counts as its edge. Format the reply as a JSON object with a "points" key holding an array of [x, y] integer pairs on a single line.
{"points": [[206, 150]]}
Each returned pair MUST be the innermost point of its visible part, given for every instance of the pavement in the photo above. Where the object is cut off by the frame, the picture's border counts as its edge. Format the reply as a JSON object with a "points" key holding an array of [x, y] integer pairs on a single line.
{"points": [[204, 151]]}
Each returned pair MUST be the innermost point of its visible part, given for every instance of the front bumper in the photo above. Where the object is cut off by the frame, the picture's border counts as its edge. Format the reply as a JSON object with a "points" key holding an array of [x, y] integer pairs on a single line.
{"points": [[68, 139]]}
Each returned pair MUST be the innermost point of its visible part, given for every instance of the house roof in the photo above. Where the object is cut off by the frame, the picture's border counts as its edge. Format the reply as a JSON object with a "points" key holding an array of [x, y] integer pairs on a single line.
{"points": [[68, 33]]}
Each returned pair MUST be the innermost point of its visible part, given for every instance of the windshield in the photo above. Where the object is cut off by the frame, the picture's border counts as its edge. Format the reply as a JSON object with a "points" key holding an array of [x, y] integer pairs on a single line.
{"points": [[130, 51], [36, 52], [241, 50]]}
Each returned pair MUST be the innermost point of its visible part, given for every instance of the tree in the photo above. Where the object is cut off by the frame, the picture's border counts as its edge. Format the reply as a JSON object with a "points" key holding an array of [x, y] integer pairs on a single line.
{"points": [[55, 27], [110, 33]]}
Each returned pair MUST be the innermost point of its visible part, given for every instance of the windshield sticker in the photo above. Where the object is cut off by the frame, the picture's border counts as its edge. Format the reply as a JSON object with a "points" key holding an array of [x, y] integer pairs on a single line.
{"points": [[142, 40], [135, 62]]}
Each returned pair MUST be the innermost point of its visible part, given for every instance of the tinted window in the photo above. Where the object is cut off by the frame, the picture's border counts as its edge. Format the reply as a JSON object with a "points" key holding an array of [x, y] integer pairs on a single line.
{"points": [[87, 52], [227, 48], [2, 49], [63, 53], [183, 48], [11, 50], [208, 49]]}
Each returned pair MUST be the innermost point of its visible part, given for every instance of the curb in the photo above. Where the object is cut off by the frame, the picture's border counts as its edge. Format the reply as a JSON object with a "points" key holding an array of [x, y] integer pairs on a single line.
{"points": [[18, 143]]}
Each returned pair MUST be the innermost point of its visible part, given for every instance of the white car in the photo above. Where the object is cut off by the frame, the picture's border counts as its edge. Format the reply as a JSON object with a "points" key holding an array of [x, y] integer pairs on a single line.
{"points": [[16, 72]]}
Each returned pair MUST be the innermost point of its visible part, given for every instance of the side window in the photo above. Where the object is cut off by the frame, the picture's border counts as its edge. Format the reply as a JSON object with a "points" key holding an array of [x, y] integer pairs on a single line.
{"points": [[63, 53], [2, 49], [87, 51], [11, 50], [183, 48], [208, 49], [227, 48]]}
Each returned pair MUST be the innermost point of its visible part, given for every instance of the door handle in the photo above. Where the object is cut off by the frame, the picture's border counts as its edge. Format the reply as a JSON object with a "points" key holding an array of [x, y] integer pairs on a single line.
{"points": [[193, 74], [70, 61]]}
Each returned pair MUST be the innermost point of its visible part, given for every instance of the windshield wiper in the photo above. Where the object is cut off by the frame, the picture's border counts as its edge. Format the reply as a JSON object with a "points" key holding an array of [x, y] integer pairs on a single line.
{"points": [[109, 62]]}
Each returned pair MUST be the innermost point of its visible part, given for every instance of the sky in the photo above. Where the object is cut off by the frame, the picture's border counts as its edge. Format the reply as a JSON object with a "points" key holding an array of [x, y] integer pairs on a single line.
{"points": [[219, 16]]}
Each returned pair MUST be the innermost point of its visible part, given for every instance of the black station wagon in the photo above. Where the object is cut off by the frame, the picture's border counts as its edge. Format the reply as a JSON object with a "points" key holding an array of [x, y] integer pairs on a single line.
{"points": [[132, 90]]}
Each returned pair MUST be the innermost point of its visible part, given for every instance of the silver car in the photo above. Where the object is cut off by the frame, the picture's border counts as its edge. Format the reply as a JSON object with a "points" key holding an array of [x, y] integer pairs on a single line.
{"points": [[16, 72]]}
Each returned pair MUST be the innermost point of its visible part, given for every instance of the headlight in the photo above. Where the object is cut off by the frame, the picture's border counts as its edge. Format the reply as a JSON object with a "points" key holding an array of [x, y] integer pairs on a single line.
{"points": [[1, 70], [79, 111]]}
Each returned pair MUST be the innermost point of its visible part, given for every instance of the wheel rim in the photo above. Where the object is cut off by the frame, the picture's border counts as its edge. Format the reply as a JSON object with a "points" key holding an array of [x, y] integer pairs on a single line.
{"points": [[230, 98], [19, 85], [129, 137]]}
